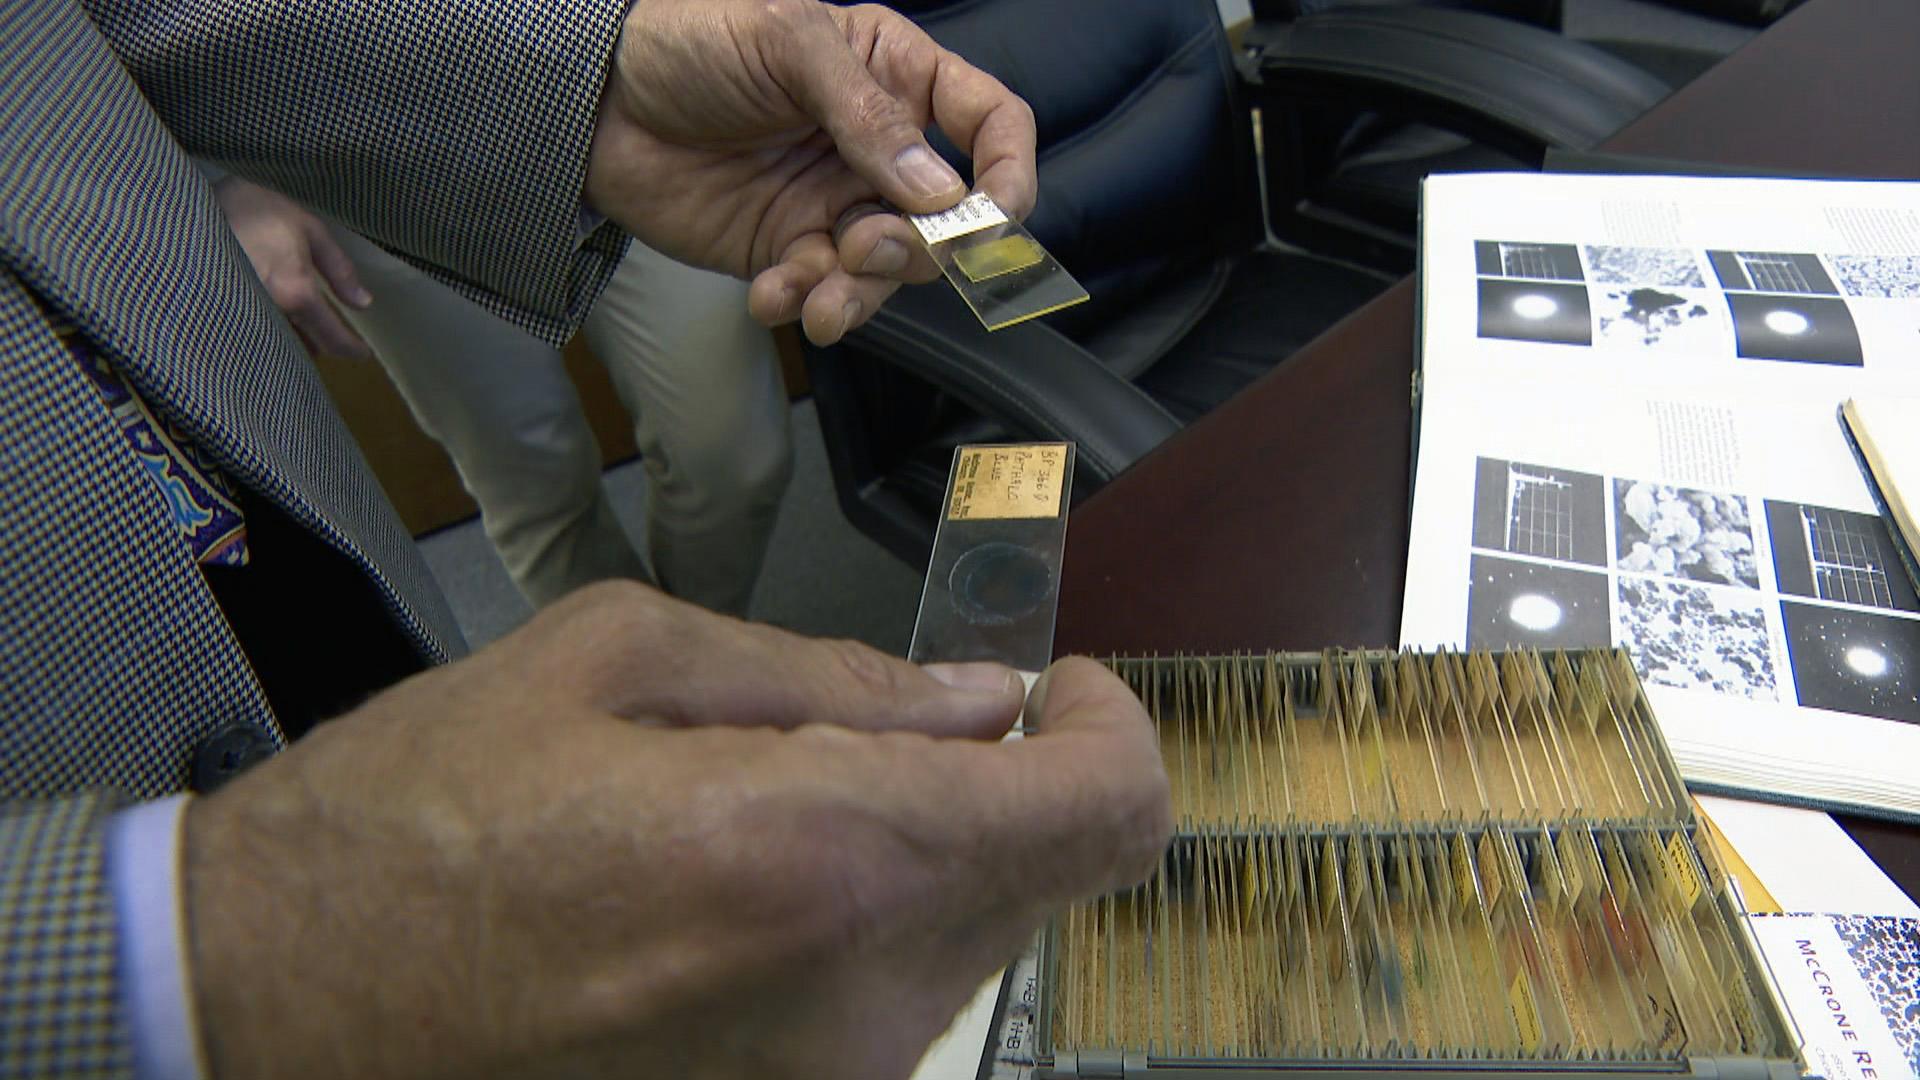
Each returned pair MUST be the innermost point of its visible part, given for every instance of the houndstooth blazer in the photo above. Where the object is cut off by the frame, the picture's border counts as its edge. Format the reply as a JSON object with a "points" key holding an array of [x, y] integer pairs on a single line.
{"points": [[454, 132]]}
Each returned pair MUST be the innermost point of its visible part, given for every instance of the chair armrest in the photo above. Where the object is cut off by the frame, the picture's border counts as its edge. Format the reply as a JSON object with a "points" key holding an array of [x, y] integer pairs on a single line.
{"points": [[1028, 376], [1500, 82]]}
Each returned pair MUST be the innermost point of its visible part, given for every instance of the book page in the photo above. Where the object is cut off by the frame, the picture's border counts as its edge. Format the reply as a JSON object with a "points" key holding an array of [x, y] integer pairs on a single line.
{"points": [[1849, 982], [1667, 473]]}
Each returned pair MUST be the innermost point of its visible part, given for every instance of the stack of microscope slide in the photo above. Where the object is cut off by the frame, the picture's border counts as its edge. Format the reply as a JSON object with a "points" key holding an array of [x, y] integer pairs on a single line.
{"points": [[1460, 862]]}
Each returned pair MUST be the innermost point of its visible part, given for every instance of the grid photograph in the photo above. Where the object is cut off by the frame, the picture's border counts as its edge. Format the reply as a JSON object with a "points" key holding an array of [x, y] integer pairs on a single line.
{"points": [[1539, 510], [1771, 271], [1839, 555], [1529, 260]]}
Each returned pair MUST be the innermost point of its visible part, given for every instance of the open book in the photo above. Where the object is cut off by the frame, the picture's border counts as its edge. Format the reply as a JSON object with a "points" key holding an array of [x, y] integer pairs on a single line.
{"points": [[1627, 435]]}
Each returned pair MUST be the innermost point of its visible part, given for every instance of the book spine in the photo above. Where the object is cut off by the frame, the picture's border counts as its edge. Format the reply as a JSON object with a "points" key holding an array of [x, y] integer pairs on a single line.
{"points": [[1901, 548]]}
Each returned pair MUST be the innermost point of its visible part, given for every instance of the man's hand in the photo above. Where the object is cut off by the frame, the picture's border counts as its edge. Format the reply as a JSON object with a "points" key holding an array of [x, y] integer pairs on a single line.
{"points": [[738, 134], [635, 838], [298, 262]]}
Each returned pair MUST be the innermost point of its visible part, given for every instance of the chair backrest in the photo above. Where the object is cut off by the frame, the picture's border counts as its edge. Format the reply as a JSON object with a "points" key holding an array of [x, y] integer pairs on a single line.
{"points": [[1146, 157], [1147, 186]]}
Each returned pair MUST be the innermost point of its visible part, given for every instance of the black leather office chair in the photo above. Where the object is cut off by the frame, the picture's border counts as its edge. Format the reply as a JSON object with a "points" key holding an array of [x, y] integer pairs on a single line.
{"points": [[1149, 195], [1363, 98]]}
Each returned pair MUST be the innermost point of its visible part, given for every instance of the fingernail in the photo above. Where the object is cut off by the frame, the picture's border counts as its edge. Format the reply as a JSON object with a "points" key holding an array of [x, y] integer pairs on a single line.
{"points": [[358, 297], [981, 677], [848, 316], [922, 171], [789, 302], [889, 256]]}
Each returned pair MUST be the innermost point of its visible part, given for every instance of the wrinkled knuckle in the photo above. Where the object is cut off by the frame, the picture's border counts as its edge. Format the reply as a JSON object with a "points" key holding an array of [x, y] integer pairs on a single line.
{"points": [[862, 669], [615, 607], [788, 14], [873, 109]]}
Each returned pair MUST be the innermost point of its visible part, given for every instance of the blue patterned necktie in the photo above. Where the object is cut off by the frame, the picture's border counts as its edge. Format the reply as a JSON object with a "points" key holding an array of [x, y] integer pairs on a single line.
{"points": [[201, 500]]}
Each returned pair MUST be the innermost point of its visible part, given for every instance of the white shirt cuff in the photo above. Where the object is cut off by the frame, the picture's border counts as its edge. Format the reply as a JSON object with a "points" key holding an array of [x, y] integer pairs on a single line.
{"points": [[143, 873]]}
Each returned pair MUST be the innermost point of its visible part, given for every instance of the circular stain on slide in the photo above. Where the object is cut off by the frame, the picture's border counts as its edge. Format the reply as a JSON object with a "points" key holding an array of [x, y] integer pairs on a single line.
{"points": [[996, 583]]}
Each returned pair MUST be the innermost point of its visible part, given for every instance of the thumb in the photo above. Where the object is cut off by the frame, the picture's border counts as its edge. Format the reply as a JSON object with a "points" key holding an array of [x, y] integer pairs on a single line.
{"points": [[875, 133]]}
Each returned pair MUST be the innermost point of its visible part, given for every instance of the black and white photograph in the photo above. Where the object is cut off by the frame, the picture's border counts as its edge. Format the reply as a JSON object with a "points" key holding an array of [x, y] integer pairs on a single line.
{"points": [[1683, 533], [1535, 311], [1675, 268], [1650, 317], [1854, 661], [1800, 329], [1771, 272], [1540, 510], [1533, 605], [1888, 276], [1838, 555], [1523, 259], [1697, 637], [1886, 952]]}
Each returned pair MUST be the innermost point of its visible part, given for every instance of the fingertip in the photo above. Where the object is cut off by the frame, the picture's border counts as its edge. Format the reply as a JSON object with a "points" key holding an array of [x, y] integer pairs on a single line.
{"points": [[1076, 686], [826, 324], [1014, 196], [773, 301]]}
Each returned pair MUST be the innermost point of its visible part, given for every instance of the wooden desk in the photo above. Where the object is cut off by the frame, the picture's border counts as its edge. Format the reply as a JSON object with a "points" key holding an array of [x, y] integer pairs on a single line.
{"points": [[1280, 521]]}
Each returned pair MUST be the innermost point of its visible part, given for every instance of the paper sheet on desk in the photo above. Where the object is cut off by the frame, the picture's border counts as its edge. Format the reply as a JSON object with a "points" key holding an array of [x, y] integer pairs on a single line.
{"points": [[1806, 860], [1849, 982], [956, 1054]]}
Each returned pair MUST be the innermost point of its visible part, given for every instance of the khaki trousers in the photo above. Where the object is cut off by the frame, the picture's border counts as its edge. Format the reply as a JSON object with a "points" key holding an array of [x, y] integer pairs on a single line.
{"points": [[697, 374]]}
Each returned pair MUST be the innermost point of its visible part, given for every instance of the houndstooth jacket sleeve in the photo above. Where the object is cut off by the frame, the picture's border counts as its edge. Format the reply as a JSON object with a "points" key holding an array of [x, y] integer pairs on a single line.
{"points": [[456, 133], [453, 132], [56, 916]]}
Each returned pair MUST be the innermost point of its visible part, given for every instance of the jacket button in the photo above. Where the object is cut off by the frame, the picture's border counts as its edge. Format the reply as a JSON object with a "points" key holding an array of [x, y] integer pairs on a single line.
{"points": [[227, 753]]}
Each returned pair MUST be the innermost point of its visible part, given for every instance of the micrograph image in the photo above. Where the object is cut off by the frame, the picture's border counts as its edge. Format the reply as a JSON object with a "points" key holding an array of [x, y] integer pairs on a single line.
{"points": [[1886, 951], [1535, 311], [1524, 259], [1802, 329], [1838, 555], [1697, 637], [1654, 318], [1512, 603], [1684, 533], [1672, 267], [1896, 276], [1854, 661], [1770, 271], [1539, 510]]}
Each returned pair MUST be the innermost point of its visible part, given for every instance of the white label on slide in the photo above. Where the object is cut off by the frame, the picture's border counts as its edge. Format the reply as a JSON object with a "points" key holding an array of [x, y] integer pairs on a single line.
{"points": [[973, 213]]}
